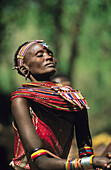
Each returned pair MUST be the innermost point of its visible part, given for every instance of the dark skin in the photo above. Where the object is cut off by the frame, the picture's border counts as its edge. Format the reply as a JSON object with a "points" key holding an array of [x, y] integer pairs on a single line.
{"points": [[63, 80], [39, 64]]}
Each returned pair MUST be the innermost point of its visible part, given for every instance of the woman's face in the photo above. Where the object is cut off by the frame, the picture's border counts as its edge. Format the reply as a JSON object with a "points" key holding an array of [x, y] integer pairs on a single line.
{"points": [[40, 60]]}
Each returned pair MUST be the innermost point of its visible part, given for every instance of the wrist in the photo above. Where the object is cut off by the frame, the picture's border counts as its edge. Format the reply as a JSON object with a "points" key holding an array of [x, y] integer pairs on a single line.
{"points": [[78, 163], [37, 153], [85, 151]]}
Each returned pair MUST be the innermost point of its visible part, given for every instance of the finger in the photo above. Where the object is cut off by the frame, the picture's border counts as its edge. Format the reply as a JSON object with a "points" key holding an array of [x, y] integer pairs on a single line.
{"points": [[108, 166], [109, 154], [105, 164], [108, 162]]}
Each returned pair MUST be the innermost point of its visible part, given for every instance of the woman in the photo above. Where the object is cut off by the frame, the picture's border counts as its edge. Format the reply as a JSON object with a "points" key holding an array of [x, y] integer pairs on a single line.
{"points": [[44, 116]]}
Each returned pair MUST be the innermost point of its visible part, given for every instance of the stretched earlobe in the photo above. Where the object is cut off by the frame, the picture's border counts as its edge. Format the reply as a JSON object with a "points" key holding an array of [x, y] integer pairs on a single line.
{"points": [[24, 70]]}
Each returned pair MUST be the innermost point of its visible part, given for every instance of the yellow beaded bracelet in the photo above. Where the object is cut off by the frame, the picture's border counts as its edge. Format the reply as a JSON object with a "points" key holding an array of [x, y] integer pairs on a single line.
{"points": [[91, 158]]}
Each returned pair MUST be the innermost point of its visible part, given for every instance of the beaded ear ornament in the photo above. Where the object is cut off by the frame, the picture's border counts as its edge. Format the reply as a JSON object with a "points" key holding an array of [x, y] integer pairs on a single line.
{"points": [[23, 51]]}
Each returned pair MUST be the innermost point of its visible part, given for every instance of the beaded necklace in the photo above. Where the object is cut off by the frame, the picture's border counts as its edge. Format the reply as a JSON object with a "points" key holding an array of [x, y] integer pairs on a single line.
{"points": [[52, 95]]}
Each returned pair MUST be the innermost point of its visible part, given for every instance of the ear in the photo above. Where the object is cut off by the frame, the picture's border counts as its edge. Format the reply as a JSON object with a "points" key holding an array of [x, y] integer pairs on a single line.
{"points": [[24, 70]]}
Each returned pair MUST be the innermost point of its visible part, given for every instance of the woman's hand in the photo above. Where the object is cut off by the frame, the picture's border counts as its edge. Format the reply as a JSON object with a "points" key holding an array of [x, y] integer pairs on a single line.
{"points": [[109, 155], [102, 162]]}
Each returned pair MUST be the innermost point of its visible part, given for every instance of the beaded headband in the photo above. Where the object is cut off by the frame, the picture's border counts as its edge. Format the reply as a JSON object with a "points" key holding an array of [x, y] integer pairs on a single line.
{"points": [[23, 51]]}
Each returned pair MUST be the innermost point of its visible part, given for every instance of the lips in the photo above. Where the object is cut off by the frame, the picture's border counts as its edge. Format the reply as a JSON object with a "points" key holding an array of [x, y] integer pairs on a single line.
{"points": [[50, 64]]}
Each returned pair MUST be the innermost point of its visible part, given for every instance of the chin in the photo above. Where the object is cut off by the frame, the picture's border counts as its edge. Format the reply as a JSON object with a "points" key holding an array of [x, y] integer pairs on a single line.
{"points": [[50, 73]]}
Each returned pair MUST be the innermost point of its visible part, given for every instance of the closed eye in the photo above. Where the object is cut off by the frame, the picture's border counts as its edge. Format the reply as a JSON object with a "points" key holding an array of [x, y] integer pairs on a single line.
{"points": [[51, 54], [40, 55]]}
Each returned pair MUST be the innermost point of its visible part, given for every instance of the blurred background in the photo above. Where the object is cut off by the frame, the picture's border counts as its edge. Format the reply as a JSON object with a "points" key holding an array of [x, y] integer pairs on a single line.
{"points": [[79, 34]]}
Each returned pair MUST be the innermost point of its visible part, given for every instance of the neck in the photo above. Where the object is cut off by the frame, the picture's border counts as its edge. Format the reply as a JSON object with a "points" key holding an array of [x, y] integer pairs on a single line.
{"points": [[32, 78]]}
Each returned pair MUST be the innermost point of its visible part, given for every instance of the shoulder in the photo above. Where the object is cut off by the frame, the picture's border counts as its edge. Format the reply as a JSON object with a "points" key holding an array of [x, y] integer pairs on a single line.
{"points": [[19, 102]]}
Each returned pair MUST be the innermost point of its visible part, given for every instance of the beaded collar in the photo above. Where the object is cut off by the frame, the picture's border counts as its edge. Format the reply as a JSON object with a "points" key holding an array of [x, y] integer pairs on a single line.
{"points": [[52, 95]]}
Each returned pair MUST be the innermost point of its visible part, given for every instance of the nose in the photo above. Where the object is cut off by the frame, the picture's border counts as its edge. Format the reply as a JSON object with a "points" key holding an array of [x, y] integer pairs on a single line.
{"points": [[48, 57]]}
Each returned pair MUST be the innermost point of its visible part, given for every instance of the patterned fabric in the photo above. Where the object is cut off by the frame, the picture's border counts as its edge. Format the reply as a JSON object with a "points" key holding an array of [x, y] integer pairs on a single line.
{"points": [[52, 95], [47, 137]]}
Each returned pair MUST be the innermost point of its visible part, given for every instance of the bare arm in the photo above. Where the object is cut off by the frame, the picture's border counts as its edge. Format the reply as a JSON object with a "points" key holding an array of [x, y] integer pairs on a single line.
{"points": [[29, 137], [83, 135]]}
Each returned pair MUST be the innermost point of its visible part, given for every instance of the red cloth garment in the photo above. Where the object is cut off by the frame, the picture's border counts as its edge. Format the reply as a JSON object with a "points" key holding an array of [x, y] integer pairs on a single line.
{"points": [[46, 135]]}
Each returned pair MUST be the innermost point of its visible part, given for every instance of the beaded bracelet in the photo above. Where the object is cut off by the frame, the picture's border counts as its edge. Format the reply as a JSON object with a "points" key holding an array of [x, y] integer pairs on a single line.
{"points": [[91, 159], [73, 164], [86, 151], [76, 163], [69, 164], [87, 161], [38, 152]]}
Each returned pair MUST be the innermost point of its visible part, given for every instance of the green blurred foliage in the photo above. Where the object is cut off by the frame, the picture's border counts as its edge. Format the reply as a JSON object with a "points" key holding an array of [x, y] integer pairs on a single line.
{"points": [[65, 25]]}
